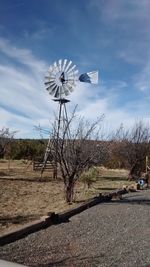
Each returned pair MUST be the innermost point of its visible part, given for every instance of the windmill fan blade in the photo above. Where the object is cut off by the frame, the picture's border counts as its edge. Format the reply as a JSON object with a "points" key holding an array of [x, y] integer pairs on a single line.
{"points": [[51, 87], [89, 77], [50, 69], [64, 65], [64, 90], [73, 75], [55, 64], [69, 87], [49, 82], [52, 73], [48, 88], [48, 78], [51, 90], [54, 90], [56, 67], [68, 66], [71, 82], [71, 69], [57, 93], [52, 78], [60, 64]]}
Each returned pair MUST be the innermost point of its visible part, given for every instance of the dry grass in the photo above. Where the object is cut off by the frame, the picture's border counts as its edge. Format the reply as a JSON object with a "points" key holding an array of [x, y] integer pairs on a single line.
{"points": [[25, 198]]}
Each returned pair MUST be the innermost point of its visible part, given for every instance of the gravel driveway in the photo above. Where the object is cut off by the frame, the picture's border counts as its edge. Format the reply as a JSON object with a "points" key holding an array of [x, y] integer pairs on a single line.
{"points": [[111, 234]]}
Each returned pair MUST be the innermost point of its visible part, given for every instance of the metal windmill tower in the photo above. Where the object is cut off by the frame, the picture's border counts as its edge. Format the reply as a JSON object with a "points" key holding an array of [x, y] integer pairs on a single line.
{"points": [[60, 81]]}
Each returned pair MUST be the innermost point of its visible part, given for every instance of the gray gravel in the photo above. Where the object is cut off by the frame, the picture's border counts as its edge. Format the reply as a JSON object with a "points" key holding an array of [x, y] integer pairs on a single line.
{"points": [[110, 234]]}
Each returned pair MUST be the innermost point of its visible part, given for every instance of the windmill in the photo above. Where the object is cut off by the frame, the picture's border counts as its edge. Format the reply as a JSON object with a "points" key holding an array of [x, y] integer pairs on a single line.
{"points": [[60, 81]]}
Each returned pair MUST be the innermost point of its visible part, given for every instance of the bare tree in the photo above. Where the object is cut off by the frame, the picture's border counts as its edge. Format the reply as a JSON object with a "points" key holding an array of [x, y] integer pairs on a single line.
{"points": [[75, 150], [5, 138], [132, 146]]}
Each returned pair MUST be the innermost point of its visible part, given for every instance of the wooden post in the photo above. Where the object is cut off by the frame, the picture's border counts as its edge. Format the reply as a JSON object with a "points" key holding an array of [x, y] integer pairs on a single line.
{"points": [[146, 164], [9, 164]]}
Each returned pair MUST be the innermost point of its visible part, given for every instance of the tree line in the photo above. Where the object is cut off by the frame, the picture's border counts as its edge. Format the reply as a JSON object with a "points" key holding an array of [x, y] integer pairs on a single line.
{"points": [[17, 149], [122, 149]]}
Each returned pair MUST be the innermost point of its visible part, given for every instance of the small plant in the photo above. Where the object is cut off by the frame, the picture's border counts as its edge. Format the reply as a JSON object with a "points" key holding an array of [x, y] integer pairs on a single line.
{"points": [[89, 177]]}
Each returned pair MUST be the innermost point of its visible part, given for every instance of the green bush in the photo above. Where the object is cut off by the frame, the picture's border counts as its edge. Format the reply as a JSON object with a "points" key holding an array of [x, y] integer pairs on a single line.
{"points": [[90, 176]]}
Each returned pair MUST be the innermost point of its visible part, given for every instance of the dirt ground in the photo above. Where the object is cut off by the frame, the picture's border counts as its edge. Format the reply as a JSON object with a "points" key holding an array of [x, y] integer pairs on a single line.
{"points": [[24, 198]]}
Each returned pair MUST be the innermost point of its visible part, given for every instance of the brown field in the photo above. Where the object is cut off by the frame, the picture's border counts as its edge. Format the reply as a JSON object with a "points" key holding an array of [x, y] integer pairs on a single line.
{"points": [[24, 198]]}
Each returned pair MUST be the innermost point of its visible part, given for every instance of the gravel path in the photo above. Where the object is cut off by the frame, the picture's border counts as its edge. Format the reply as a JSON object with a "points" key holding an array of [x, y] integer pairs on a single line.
{"points": [[112, 234]]}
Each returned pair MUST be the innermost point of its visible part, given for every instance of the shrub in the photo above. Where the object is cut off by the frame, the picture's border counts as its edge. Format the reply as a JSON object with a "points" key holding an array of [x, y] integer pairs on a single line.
{"points": [[90, 176]]}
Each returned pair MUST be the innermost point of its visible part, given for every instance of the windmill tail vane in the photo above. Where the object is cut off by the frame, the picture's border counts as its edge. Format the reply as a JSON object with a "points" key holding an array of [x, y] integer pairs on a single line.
{"points": [[89, 77]]}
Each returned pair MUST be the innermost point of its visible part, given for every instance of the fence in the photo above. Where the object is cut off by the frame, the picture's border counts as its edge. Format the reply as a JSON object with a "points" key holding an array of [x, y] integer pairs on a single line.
{"points": [[38, 165]]}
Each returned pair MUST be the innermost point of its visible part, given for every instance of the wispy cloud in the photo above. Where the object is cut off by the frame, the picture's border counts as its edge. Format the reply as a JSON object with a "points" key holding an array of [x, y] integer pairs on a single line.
{"points": [[142, 79], [24, 56], [40, 31], [120, 10]]}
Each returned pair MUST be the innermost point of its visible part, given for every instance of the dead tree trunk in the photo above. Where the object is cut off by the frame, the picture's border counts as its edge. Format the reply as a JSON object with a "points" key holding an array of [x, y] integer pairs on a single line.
{"points": [[69, 192]]}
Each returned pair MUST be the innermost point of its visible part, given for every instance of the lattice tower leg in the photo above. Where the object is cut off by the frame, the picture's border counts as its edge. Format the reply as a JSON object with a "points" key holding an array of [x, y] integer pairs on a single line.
{"points": [[62, 123], [47, 151]]}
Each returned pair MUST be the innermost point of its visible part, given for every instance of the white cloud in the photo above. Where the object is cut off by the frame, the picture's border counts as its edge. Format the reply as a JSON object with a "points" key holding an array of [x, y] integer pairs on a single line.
{"points": [[113, 116], [142, 79], [24, 56], [41, 30]]}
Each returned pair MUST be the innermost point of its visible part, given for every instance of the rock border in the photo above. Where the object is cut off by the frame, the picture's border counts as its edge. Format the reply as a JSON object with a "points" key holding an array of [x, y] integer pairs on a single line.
{"points": [[56, 218]]}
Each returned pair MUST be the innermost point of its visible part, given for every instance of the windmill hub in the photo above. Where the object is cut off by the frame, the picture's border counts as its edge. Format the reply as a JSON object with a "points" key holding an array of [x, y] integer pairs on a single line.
{"points": [[62, 77]]}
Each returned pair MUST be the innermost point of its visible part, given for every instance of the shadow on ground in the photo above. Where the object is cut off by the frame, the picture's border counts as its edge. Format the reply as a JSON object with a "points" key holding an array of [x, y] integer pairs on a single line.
{"points": [[116, 178], [18, 219], [34, 180], [106, 188], [139, 201]]}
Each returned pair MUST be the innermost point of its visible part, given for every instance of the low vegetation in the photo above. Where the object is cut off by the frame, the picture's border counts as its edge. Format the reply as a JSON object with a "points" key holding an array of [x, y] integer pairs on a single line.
{"points": [[90, 177], [24, 198]]}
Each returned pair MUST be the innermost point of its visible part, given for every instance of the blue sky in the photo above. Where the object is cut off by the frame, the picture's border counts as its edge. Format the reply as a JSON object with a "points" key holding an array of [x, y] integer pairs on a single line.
{"points": [[111, 36]]}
